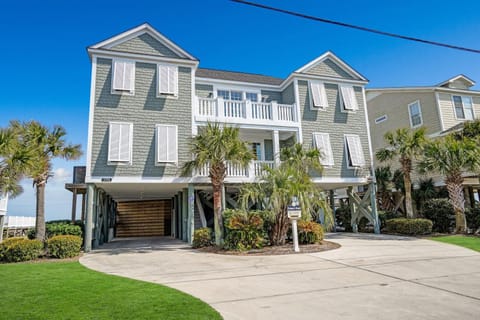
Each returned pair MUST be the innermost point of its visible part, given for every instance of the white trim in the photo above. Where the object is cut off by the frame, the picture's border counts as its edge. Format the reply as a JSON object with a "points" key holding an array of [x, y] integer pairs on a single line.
{"points": [[162, 163], [410, 114], [211, 81], [440, 114], [120, 162], [333, 80], [137, 31], [424, 89], [299, 113], [369, 136], [330, 55], [140, 57], [90, 117], [317, 180]]}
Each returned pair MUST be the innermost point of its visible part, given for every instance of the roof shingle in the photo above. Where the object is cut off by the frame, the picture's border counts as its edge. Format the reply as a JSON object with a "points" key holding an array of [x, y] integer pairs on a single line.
{"points": [[237, 76]]}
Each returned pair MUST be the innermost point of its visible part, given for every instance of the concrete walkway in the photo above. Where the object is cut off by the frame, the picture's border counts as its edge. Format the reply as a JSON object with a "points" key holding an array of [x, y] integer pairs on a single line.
{"points": [[369, 277]]}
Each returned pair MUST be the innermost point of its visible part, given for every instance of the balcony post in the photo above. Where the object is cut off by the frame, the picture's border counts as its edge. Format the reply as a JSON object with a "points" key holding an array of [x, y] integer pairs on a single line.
{"points": [[251, 169], [220, 108], [276, 147], [248, 109], [274, 105]]}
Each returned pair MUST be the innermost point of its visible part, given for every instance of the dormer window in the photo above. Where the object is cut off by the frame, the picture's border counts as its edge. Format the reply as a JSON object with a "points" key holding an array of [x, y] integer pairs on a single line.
{"points": [[123, 78]]}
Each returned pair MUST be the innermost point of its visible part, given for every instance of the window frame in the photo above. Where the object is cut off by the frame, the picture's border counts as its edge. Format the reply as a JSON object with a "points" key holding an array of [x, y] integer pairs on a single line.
{"points": [[419, 113], [130, 144], [171, 95], [167, 161], [130, 92], [463, 107]]}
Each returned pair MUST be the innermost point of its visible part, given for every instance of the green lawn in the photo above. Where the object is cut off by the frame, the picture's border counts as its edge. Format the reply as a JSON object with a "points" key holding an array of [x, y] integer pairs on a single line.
{"points": [[67, 290], [463, 241]]}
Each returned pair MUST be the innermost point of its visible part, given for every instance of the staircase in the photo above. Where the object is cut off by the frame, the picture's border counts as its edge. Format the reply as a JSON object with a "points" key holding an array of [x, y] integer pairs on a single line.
{"points": [[143, 218]]}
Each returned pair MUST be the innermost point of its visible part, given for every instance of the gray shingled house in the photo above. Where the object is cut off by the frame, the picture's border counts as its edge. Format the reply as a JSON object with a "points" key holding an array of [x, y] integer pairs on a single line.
{"points": [[149, 96]]}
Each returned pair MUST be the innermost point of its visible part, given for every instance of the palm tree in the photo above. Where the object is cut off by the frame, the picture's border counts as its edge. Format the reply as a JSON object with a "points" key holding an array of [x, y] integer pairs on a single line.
{"points": [[452, 157], [276, 188], [44, 145], [217, 147], [406, 145]]}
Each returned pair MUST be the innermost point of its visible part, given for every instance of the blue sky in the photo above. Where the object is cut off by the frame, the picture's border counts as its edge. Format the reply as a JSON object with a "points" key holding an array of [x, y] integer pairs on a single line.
{"points": [[46, 70]]}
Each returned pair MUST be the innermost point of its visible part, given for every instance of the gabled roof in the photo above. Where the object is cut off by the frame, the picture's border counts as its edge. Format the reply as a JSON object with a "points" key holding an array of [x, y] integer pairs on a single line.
{"points": [[331, 56], [138, 31], [237, 76], [469, 82]]}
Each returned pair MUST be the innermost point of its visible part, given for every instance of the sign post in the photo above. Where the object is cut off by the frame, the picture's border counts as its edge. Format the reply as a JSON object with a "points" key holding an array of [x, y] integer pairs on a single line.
{"points": [[294, 213]]}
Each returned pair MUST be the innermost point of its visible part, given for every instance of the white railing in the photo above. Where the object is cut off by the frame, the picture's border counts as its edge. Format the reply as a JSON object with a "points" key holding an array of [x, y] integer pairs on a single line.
{"points": [[255, 169], [245, 110]]}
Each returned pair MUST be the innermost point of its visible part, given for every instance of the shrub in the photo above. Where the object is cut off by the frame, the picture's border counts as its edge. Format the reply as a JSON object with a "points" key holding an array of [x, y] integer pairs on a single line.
{"points": [[58, 228], [202, 238], [64, 246], [20, 249], [409, 226], [441, 213], [244, 230], [309, 232], [343, 218], [383, 216], [473, 218]]}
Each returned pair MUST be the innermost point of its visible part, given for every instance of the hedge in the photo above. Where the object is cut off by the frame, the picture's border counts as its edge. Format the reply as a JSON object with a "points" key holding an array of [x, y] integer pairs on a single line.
{"points": [[58, 228], [244, 230], [409, 226], [20, 249], [64, 246]]}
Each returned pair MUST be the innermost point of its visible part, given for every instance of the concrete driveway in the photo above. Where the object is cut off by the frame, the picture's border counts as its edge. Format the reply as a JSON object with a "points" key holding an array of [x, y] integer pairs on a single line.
{"points": [[369, 277]]}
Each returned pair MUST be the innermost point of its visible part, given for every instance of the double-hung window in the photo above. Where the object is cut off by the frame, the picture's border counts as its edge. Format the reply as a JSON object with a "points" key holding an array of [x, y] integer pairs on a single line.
{"points": [[167, 80], [463, 107], [354, 150], [120, 142], [321, 141], [319, 95], [123, 77], [252, 96], [167, 143], [415, 112], [349, 100]]}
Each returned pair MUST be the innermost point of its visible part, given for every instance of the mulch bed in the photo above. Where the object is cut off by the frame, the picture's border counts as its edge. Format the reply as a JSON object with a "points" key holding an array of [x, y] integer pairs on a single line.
{"points": [[276, 250]]}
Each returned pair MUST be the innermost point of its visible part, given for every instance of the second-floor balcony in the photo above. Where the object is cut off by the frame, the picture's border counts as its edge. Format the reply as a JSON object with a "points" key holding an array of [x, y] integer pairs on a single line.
{"points": [[246, 112], [253, 170]]}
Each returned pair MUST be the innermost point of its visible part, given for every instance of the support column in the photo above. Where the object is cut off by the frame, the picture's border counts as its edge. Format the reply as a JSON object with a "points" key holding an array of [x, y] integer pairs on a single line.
{"points": [[276, 147], [191, 213], [332, 206], [184, 214], [89, 218], [353, 210], [74, 205], [83, 207], [373, 205], [2, 221]]}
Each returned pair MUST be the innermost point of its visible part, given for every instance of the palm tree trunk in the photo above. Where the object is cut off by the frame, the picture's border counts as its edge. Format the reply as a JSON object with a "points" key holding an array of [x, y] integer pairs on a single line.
{"points": [[40, 211], [408, 194], [280, 228], [455, 193], [217, 209]]}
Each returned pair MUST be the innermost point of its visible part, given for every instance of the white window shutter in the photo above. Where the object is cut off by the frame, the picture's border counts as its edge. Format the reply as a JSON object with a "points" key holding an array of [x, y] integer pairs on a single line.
{"points": [[319, 95], [167, 143], [119, 143], [172, 80], [322, 143], [167, 79], [348, 97], [118, 74], [129, 76], [162, 79], [125, 144], [355, 150]]}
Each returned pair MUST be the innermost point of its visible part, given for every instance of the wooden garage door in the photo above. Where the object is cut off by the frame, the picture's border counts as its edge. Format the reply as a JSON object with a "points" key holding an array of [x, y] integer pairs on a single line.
{"points": [[143, 218]]}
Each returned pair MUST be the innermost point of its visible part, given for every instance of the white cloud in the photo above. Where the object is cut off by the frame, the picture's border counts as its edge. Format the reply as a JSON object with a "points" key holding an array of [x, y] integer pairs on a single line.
{"points": [[61, 175]]}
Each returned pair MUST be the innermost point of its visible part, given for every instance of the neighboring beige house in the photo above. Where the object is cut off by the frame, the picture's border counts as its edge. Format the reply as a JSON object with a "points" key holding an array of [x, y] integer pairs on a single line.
{"points": [[440, 109]]}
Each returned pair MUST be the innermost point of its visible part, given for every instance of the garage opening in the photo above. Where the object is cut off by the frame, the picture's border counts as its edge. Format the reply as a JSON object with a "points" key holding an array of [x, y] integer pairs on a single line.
{"points": [[143, 218]]}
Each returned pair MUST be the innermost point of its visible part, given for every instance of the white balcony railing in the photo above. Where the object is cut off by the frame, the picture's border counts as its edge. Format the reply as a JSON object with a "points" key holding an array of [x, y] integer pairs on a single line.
{"points": [[254, 169], [245, 110]]}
